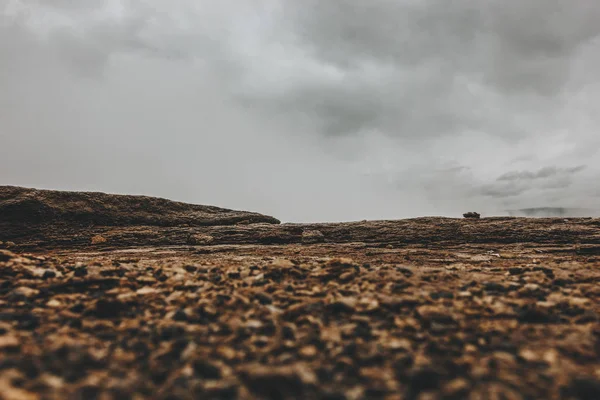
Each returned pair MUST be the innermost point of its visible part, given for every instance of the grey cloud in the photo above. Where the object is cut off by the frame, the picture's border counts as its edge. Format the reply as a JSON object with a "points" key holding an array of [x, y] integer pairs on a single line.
{"points": [[68, 5], [545, 172], [88, 44], [515, 46], [534, 40], [88, 50], [428, 69], [546, 180], [405, 33], [502, 191]]}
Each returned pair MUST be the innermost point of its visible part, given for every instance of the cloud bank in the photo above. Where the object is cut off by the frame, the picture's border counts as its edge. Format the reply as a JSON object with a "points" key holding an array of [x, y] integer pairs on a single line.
{"points": [[306, 110]]}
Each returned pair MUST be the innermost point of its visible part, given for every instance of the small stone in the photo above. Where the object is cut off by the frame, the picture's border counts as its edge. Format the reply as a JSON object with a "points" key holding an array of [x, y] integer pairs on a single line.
{"points": [[472, 215], [254, 324], [6, 255], [98, 239], [528, 355], [308, 351], [516, 270], [107, 308], [399, 344], [456, 387], [54, 303], [206, 370], [278, 382], [190, 268], [344, 304], [221, 389], [434, 314], [494, 287], [263, 298], [578, 301], [470, 348], [147, 290], [49, 274], [530, 290], [282, 263], [346, 276], [545, 304], [180, 315], [227, 353], [341, 262], [25, 292], [441, 295], [536, 315], [9, 342], [200, 239]]}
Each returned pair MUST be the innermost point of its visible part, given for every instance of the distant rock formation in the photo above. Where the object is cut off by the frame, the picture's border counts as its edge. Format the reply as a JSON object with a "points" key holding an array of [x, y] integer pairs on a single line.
{"points": [[35, 207], [35, 219], [553, 212]]}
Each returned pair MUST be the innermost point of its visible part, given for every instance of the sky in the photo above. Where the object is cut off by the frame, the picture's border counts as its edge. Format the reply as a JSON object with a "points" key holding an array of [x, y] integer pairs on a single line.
{"points": [[309, 110]]}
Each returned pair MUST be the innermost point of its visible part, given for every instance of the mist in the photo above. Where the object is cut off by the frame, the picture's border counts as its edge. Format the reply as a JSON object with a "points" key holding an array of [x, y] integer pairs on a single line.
{"points": [[308, 111]]}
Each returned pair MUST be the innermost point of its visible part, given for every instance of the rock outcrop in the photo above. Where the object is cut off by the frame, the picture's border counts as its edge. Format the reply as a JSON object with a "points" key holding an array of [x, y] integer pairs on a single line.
{"points": [[44, 214], [52, 219], [240, 307]]}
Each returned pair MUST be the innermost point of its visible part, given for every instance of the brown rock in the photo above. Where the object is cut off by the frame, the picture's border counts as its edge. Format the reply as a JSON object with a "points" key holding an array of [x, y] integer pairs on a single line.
{"points": [[98, 239], [439, 317], [283, 382], [472, 215], [8, 342], [22, 205], [6, 255]]}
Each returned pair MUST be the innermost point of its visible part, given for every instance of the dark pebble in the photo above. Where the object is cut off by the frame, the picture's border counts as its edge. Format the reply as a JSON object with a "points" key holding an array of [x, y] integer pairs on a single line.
{"points": [[107, 308], [264, 298], [180, 315], [48, 274], [206, 370]]}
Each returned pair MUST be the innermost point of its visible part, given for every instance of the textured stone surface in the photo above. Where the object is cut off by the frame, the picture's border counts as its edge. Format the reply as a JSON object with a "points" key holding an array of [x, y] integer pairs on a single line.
{"points": [[429, 308], [38, 207]]}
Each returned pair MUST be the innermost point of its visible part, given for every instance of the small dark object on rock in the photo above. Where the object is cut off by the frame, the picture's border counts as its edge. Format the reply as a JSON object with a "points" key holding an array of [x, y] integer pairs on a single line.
{"points": [[263, 298], [48, 274], [107, 308], [180, 315], [6, 255], [472, 214], [206, 370]]}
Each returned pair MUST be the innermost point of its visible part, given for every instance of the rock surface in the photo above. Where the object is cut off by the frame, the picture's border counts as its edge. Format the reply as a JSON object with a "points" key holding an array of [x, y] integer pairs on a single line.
{"points": [[39, 207], [429, 308]]}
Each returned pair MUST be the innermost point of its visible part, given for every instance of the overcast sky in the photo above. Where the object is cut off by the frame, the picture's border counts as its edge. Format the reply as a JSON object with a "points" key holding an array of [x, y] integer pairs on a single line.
{"points": [[306, 110]]}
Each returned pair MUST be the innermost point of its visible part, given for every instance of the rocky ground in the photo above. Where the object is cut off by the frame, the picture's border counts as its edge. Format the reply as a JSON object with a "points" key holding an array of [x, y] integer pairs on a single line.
{"points": [[198, 302]]}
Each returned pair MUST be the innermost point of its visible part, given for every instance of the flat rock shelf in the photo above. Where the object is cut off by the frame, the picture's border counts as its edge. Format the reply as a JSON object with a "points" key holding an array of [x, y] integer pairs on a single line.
{"points": [[122, 297]]}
